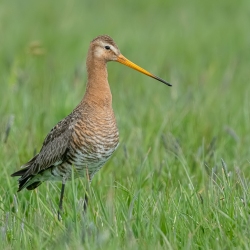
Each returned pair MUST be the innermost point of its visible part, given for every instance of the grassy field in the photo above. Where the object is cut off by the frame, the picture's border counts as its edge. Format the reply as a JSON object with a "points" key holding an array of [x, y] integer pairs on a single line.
{"points": [[180, 177]]}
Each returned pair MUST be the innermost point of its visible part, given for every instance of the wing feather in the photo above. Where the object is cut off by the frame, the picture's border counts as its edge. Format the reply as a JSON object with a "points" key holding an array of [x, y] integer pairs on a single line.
{"points": [[54, 148]]}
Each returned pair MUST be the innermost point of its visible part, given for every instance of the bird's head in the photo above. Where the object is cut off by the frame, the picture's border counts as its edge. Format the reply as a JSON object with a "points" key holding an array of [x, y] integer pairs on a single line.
{"points": [[104, 48]]}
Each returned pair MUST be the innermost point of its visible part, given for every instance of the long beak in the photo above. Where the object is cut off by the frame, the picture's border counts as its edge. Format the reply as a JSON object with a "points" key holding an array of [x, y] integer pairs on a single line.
{"points": [[122, 59]]}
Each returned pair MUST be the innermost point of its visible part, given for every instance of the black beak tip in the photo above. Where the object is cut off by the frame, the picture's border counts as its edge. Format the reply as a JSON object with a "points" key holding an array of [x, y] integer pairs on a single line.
{"points": [[163, 81]]}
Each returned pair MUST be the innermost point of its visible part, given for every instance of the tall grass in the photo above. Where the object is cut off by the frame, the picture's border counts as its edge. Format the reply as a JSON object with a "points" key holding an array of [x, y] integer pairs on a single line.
{"points": [[180, 177]]}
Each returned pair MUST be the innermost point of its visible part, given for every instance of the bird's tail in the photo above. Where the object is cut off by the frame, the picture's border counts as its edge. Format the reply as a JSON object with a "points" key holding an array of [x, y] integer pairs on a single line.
{"points": [[26, 180]]}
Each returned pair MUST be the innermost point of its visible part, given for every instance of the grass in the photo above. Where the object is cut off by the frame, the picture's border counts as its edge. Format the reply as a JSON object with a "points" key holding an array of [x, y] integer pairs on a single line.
{"points": [[180, 177]]}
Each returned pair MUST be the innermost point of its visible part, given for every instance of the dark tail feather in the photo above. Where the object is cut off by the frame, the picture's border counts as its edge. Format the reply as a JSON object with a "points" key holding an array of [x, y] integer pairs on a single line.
{"points": [[20, 172], [34, 185], [22, 181], [26, 176]]}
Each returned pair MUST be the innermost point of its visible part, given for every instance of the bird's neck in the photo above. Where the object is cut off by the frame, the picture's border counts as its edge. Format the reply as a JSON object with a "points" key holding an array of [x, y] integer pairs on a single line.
{"points": [[98, 89]]}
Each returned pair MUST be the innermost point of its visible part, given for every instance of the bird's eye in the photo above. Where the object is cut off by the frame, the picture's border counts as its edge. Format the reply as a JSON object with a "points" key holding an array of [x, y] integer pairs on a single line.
{"points": [[107, 47]]}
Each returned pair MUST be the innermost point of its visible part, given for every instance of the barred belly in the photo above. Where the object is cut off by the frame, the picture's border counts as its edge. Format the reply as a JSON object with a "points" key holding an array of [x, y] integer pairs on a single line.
{"points": [[83, 162], [91, 163]]}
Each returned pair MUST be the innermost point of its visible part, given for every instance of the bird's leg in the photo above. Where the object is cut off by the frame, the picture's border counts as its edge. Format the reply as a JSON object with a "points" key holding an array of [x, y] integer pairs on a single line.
{"points": [[85, 204], [60, 210], [86, 197]]}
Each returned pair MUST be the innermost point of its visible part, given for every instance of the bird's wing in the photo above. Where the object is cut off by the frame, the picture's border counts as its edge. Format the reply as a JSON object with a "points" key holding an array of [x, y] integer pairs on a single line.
{"points": [[55, 147]]}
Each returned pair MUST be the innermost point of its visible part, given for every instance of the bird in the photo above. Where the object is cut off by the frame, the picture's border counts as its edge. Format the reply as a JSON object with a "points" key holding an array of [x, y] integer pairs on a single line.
{"points": [[85, 139]]}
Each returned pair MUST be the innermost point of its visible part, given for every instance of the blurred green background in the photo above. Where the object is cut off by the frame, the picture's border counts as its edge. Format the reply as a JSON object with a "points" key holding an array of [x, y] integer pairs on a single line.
{"points": [[171, 139]]}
